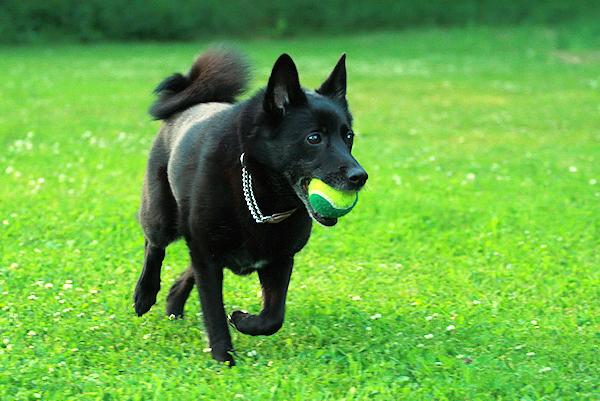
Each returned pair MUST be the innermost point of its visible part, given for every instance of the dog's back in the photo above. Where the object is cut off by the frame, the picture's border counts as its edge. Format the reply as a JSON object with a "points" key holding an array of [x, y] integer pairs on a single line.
{"points": [[218, 75]]}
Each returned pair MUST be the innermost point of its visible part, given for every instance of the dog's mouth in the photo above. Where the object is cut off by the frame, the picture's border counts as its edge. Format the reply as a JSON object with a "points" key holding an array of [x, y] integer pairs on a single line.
{"points": [[303, 195]]}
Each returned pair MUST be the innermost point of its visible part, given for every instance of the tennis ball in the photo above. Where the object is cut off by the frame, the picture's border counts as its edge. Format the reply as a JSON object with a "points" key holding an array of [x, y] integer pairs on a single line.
{"points": [[329, 202]]}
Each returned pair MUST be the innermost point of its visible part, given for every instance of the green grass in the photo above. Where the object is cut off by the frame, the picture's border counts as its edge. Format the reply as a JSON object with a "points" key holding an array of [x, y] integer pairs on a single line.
{"points": [[468, 270]]}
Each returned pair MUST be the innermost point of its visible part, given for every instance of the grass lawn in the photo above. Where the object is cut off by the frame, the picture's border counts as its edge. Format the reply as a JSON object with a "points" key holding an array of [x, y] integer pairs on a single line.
{"points": [[469, 269]]}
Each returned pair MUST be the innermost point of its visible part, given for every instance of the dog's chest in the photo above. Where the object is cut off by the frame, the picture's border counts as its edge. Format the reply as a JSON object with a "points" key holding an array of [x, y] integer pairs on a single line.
{"points": [[244, 255], [242, 262], [244, 246]]}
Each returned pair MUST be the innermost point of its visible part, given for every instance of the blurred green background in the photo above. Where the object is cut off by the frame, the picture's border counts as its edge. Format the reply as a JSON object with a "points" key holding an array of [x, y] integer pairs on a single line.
{"points": [[26, 21]]}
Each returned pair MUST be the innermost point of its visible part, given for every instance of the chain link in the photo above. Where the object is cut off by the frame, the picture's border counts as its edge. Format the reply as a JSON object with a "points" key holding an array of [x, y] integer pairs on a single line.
{"points": [[257, 215]]}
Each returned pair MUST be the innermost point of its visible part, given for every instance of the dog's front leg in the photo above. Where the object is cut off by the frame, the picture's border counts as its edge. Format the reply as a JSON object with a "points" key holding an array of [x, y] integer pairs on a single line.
{"points": [[274, 280], [209, 280]]}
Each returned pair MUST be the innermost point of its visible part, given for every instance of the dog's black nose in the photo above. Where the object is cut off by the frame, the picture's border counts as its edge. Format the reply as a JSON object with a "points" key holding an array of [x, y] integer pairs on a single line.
{"points": [[357, 177]]}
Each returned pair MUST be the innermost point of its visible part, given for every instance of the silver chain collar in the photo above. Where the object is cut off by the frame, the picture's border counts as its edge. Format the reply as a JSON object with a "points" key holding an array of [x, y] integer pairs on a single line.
{"points": [[257, 215]]}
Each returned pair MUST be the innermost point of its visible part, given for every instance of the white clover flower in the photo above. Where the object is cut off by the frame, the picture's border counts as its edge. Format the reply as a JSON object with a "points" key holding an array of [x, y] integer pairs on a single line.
{"points": [[376, 316], [356, 298], [31, 333], [451, 327], [428, 336]]}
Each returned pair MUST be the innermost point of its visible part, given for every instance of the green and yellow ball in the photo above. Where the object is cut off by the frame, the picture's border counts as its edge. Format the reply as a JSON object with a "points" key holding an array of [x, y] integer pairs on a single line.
{"points": [[329, 202]]}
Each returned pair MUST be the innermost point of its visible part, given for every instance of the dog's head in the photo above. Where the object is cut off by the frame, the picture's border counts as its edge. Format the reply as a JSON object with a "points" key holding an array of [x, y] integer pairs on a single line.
{"points": [[306, 134]]}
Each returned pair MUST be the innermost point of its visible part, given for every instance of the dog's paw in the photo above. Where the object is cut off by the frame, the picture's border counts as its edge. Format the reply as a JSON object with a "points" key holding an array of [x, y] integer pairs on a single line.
{"points": [[143, 300], [176, 302], [254, 325], [223, 354], [235, 317], [174, 311]]}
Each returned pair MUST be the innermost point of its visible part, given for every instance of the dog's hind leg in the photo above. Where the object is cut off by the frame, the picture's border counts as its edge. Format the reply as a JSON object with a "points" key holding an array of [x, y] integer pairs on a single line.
{"points": [[148, 284], [180, 290], [158, 218], [274, 280]]}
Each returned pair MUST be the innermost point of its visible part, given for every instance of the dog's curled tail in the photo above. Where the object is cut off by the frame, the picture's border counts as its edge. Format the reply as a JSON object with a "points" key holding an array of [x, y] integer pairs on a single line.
{"points": [[217, 75]]}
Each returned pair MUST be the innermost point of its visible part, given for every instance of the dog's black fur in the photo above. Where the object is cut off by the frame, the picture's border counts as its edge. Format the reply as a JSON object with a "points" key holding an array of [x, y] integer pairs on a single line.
{"points": [[193, 184]]}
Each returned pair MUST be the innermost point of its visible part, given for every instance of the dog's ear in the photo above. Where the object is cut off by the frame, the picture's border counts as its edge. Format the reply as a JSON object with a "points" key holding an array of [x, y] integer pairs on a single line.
{"points": [[284, 88], [334, 87]]}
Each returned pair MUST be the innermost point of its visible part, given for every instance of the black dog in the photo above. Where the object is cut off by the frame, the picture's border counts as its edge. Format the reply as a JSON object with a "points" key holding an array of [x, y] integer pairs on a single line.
{"points": [[232, 180]]}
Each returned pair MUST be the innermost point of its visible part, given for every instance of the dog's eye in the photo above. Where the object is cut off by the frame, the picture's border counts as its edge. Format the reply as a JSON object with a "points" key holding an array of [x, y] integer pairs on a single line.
{"points": [[314, 138], [349, 138]]}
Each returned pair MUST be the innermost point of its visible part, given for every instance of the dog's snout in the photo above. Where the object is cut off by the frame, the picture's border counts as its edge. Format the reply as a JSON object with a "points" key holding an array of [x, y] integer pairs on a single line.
{"points": [[357, 177]]}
